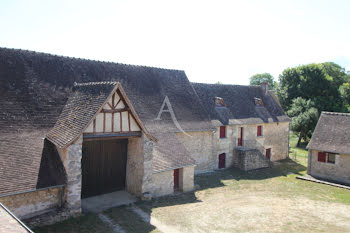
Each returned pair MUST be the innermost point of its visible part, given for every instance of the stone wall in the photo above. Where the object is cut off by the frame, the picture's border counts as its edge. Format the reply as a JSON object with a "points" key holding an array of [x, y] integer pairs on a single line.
{"points": [[139, 166], [163, 183], [71, 158], [200, 147], [134, 166], [186, 179], [34, 203], [274, 136], [250, 159], [339, 171], [147, 155]]}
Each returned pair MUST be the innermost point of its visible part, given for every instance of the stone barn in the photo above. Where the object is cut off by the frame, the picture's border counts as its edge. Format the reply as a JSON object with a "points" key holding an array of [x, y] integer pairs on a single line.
{"points": [[73, 128], [329, 148]]}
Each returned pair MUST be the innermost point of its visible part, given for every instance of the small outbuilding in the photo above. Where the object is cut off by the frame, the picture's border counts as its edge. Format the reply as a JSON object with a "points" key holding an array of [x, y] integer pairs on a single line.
{"points": [[329, 148]]}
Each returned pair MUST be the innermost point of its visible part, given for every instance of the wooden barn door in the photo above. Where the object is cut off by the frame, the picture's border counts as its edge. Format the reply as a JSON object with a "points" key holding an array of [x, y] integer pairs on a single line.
{"points": [[103, 166], [222, 160]]}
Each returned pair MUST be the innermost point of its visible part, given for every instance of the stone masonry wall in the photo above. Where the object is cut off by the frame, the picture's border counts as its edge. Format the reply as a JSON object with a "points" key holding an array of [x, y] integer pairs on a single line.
{"points": [[163, 183], [339, 171], [250, 159], [147, 154], [134, 167], [32, 203], [200, 147], [139, 166], [186, 179], [274, 136], [71, 158]]}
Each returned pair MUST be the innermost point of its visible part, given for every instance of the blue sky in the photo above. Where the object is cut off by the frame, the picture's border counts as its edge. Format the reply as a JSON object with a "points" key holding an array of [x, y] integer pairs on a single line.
{"points": [[226, 41]]}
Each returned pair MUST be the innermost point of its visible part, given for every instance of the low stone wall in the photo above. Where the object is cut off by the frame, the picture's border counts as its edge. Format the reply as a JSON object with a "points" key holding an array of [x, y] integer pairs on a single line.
{"points": [[339, 171], [250, 159], [163, 183], [30, 204], [186, 179]]}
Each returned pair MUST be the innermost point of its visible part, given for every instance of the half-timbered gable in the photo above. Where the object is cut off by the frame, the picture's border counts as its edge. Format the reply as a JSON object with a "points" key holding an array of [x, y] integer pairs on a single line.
{"points": [[114, 117]]}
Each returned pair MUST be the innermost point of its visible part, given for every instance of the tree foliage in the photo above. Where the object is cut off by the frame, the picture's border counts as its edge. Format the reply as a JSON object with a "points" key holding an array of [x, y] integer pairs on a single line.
{"points": [[312, 82], [257, 79], [321, 87], [304, 116], [344, 90]]}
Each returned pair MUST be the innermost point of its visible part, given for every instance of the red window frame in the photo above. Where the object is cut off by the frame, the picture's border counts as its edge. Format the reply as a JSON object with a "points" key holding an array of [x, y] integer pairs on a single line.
{"points": [[321, 157], [259, 131], [222, 131]]}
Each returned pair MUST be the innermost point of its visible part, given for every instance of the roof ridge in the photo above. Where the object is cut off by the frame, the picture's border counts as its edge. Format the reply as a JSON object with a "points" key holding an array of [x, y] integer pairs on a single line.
{"points": [[95, 83], [87, 59], [214, 84], [336, 113]]}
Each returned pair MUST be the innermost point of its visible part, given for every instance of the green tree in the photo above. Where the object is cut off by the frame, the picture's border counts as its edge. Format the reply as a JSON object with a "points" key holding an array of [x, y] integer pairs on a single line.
{"points": [[344, 90], [304, 117], [257, 79], [317, 82]]}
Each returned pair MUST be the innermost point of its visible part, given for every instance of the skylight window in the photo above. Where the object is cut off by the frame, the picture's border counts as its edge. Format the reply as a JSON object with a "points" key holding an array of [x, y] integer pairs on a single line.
{"points": [[258, 102], [219, 102]]}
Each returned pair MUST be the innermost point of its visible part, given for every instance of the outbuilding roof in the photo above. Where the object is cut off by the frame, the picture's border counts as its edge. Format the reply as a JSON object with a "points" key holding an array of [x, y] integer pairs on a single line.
{"points": [[240, 104], [332, 133]]}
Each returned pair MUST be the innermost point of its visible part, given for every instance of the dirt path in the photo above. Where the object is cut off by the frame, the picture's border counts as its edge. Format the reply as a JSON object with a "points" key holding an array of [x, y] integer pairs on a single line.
{"points": [[256, 212], [109, 222], [154, 221]]}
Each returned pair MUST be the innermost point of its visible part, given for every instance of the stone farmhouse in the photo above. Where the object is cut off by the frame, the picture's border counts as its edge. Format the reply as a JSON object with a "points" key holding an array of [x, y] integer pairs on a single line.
{"points": [[75, 128], [329, 148]]}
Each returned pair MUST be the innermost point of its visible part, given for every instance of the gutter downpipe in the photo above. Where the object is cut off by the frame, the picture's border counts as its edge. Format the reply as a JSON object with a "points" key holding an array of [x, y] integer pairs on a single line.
{"points": [[17, 219]]}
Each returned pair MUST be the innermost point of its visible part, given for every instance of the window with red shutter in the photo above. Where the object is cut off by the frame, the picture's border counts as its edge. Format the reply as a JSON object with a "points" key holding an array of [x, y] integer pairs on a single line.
{"points": [[222, 131], [321, 157], [259, 131]]}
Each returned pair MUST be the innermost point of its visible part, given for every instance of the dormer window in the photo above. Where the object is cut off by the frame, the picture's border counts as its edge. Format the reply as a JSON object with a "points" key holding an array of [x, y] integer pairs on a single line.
{"points": [[219, 102], [258, 102]]}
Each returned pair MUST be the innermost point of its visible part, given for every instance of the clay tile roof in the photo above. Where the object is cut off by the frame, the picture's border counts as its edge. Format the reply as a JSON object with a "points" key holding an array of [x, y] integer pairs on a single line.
{"points": [[81, 107], [169, 153], [34, 90], [240, 104], [332, 133]]}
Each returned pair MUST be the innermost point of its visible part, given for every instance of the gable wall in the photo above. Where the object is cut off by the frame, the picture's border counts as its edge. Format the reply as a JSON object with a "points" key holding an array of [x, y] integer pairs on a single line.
{"points": [[106, 122], [200, 148], [340, 171]]}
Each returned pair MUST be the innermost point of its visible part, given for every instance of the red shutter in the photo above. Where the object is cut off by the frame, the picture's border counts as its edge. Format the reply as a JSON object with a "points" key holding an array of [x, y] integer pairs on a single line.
{"points": [[240, 137], [268, 153], [259, 130], [222, 131], [322, 157], [176, 179]]}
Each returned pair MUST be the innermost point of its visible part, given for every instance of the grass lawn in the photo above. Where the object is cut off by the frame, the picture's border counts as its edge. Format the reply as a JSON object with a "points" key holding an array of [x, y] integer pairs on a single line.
{"points": [[266, 200]]}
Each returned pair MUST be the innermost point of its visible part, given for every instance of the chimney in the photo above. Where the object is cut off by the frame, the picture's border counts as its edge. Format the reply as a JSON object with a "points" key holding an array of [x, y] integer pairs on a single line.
{"points": [[264, 86]]}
